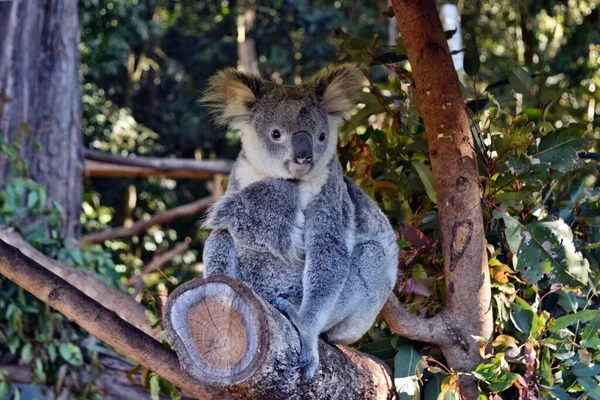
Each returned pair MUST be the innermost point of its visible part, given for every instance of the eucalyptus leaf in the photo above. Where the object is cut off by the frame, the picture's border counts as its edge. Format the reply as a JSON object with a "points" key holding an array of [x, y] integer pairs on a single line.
{"points": [[521, 82], [405, 371], [427, 178], [71, 354], [559, 150], [546, 248]]}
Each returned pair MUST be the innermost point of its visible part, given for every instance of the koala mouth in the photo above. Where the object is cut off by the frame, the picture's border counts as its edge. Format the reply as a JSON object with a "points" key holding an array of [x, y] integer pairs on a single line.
{"points": [[298, 170]]}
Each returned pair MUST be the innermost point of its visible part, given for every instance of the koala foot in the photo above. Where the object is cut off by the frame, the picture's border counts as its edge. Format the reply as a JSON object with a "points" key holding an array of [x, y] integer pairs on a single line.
{"points": [[309, 349]]}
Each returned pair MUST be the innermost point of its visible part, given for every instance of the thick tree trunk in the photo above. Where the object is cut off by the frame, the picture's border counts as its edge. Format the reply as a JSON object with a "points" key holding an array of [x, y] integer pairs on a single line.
{"points": [[226, 336], [439, 99], [39, 81]]}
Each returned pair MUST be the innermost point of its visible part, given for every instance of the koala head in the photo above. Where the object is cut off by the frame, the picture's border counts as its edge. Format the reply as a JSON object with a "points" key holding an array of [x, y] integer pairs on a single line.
{"points": [[287, 132]]}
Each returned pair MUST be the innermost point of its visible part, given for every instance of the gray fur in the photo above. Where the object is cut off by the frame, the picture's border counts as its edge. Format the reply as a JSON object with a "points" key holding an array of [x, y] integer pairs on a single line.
{"points": [[307, 240]]}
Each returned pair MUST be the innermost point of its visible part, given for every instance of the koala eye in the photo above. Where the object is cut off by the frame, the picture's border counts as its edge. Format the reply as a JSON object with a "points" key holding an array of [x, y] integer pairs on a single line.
{"points": [[322, 137], [276, 135]]}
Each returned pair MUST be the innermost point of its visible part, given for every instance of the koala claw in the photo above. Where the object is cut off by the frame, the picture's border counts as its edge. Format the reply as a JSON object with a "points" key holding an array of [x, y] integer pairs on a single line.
{"points": [[308, 359], [309, 354]]}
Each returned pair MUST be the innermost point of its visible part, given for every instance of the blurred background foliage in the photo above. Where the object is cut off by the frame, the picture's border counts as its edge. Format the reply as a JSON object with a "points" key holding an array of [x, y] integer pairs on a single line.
{"points": [[531, 81]]}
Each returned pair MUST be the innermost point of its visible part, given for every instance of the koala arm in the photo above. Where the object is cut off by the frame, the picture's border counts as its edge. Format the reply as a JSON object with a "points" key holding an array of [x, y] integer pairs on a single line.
{"points": [[325, 273], [262, 217], [219, 254]]}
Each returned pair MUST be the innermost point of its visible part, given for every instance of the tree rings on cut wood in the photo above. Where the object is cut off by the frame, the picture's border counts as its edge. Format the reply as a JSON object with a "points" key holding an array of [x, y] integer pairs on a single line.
{"points": [[218, 328]]}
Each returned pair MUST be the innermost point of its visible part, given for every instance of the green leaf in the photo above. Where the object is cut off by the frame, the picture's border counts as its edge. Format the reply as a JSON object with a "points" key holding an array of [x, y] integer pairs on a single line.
{"points": [[546, 248], [521, 82], [590, 386], [471, 63], [381, 349], [450, 389], [503, 381], [513, 232], [581, 370], [71, 354], [405, 371], [154, 386], [571, 319], [589, 335], [27, 353], [522, 317], [559, 150], [433, 387], [426, 177], [38, 370]]}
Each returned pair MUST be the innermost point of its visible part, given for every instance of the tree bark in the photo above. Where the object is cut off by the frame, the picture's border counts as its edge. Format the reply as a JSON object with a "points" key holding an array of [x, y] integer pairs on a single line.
{"points": [[467, 311], [99, 321], [39, 80], [226, 336]]}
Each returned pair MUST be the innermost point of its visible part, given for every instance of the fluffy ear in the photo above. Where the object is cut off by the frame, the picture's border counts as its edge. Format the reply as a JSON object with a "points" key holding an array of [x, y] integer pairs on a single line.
{"points": [[230, 94], [338, 87]]}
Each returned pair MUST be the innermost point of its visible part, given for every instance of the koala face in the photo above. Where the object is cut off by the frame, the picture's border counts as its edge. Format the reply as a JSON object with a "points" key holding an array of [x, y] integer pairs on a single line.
{"points": [[293, 134], [287, 132]]}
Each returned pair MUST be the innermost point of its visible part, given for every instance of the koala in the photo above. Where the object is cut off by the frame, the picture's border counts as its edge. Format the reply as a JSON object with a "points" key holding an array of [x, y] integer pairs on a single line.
{"points": [[290, 225]]}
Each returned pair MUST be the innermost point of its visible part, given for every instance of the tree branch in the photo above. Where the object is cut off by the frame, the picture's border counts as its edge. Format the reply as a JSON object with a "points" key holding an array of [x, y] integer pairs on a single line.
{"points": [[112, 298], [157, 261], [227, 336], [404, 323], [98, 321], [103, 164], [140, 226]]}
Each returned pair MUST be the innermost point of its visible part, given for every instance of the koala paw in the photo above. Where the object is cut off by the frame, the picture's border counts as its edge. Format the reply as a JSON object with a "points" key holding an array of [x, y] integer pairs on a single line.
{"points": [[309, 356], [309, 349]]}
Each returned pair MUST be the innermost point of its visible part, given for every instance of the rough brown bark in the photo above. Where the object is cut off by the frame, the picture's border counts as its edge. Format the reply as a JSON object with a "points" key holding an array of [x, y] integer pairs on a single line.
{"points": [[99, 321], [227, 336], [112, 298], [467, 311], [39, 78], [140, 226]]}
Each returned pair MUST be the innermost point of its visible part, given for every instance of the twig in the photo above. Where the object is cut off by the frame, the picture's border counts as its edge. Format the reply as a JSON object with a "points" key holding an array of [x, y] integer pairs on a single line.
{"points": [[157, 261], [162, 164], [140, 226]]}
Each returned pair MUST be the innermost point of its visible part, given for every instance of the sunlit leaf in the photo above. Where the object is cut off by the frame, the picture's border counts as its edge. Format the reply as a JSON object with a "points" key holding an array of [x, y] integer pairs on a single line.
{"points": [[71, 354], [546, 248], [405, 371]]}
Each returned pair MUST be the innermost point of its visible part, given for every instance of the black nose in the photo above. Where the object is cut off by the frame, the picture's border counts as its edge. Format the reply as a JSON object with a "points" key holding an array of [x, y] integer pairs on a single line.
{"points": [[302, 147]]}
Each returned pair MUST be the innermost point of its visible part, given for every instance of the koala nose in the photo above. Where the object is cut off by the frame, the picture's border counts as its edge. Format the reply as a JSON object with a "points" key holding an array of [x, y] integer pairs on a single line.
{"points": [[302, 147]]}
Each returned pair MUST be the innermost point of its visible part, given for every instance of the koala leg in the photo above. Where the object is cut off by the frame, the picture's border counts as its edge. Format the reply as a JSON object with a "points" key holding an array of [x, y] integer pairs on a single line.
{"points": [[366, 290], [219, 254]]}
